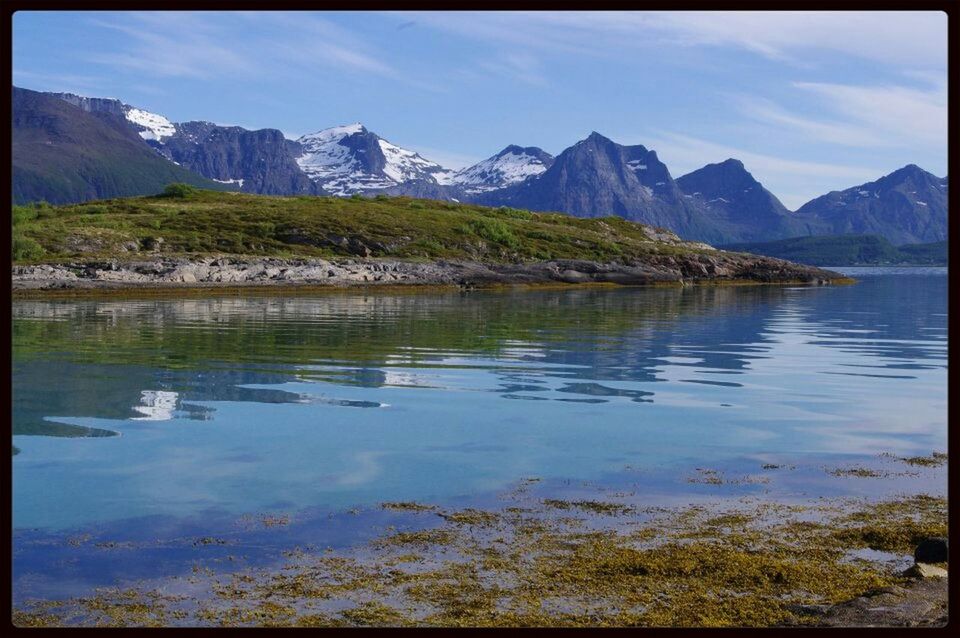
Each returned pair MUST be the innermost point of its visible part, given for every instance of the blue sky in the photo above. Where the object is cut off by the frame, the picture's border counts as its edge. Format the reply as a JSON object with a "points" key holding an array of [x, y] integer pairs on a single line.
{"points": [[810, 101]]}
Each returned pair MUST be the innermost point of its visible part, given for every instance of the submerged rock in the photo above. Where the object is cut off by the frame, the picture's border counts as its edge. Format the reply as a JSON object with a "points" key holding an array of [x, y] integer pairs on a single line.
{"points": [[931, 550]]}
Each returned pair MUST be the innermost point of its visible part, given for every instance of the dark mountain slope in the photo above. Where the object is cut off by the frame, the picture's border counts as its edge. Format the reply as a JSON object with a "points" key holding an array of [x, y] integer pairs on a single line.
{"points": [[597, 177], [737, 203], [907, 206], [846, 250], [260, 161], [63, 154]]}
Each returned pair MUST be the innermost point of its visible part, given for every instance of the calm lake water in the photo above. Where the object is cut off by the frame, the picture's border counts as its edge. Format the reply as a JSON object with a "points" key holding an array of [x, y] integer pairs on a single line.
{"points": [[222, 407]]}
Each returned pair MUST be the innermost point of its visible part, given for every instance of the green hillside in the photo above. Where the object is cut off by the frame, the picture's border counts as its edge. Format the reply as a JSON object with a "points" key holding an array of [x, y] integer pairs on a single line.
{"points": [[189, 221]]}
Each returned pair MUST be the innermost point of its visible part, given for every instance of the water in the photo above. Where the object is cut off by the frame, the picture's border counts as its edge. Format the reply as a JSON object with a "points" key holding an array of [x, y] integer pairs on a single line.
{"points": [[222, 407]]}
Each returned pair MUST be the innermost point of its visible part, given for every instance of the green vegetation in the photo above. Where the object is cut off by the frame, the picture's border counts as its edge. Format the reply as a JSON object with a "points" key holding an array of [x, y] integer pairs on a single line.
{"points": [[26, 248], [52, 428], [847, 250], [204, 223], [177, 190], [688, 567], [934, 253]]}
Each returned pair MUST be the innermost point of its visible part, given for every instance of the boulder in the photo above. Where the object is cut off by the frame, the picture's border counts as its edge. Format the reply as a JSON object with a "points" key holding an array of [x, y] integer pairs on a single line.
{"points": [[923, 570], [153, 243]]}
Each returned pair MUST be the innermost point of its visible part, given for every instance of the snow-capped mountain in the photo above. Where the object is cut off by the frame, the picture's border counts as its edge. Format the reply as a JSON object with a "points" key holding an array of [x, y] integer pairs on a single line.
{"points": [[348, 159], [719, 203], [597, 177], [512, 165], [149, 125]]}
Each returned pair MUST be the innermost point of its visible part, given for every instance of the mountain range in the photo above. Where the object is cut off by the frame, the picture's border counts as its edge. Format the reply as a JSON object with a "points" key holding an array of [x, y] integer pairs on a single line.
{"points": [[62, 153], [70, 148]]}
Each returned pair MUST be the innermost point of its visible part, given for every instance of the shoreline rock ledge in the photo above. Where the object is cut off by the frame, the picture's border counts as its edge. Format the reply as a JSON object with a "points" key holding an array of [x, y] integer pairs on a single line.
{"points": [[228, 271]]}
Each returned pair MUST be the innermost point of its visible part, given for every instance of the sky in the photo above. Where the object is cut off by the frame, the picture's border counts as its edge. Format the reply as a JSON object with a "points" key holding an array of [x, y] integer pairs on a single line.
{"points": [[809, 101]]}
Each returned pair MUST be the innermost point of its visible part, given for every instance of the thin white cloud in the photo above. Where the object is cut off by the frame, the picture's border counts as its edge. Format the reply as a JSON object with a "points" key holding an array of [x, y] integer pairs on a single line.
{"points": [[202, 45], [912, 39], [182, 50], [830, 131], [309, 39], [905, 38], [897, 113], [517, 65]]}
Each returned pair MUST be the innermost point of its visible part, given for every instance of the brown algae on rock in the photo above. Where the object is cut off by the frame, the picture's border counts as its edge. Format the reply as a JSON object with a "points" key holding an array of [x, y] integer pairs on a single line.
{"points": [[691, 566], [936, 459]]}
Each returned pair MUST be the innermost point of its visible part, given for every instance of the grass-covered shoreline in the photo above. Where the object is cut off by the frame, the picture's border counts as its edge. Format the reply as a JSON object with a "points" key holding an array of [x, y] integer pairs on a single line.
{"points": [[194, 239], [598, 559], [200, 223]]}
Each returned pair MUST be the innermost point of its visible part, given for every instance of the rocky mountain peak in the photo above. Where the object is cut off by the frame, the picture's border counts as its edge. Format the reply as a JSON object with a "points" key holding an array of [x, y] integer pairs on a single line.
{"points": [[349, 159], [512, 165], [906, 206]]}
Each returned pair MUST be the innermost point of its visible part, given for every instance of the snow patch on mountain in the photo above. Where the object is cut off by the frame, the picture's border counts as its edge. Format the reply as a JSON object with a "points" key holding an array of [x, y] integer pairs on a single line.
{"points": [[335, 165], [152, 126], [342, 168], [238, 182], [510, 166], [403, 165]]}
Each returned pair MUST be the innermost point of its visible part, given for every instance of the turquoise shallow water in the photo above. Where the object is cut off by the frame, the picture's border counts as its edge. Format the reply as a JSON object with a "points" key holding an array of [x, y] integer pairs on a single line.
{"points": [[226, 406], [155, 435]]}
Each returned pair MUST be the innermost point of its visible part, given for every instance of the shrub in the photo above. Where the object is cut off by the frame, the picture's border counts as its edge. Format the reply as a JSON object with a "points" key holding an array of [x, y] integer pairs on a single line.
{"points": [[26, 248], [539, 234], [23, 214], [428, 247], [265, 230], [493, 230], [513, 213], [193, 243], [178, 190]]}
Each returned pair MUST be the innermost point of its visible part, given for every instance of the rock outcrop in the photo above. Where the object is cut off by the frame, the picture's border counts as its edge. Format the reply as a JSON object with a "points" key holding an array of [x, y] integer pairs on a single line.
{"points": [[719, 266]]}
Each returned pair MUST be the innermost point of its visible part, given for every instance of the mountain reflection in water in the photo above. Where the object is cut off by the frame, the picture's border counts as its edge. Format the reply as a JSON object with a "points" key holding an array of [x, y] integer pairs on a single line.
{"points": [[460, 391]]}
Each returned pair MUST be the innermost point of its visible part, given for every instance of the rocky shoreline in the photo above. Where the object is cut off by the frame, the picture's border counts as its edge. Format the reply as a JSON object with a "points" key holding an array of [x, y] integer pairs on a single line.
{"points": [[228, 271]]}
